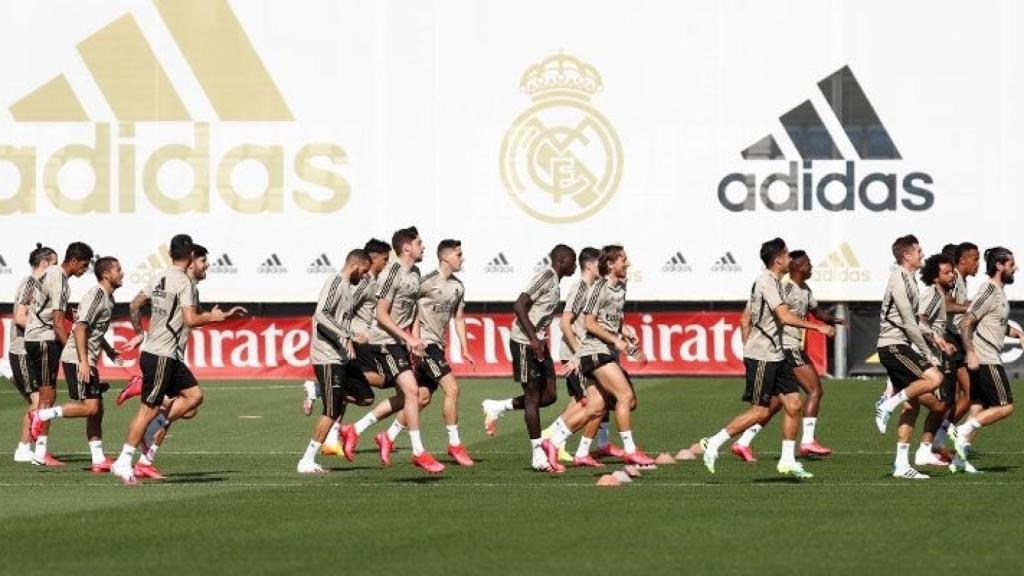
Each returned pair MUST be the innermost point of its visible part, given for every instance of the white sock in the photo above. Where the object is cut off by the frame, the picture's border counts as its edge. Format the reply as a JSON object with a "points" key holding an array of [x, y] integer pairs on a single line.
{"points": [[924, 449], [535, 443], [417, 442], [47, 414], [788, 455], [24, 447], [310, 456], [716, 441], [453, 435], [940, 435], [602, 435], [506, 404], [365, 422], [395, 429], [150, 454], [627, 442], [40, 454], [888, 388], [809, 424], [748, 435], [583, 450], [332, 435], [969, 427], [125, 459], [310, 387], [902, 455], [893, 402], [561, 434], [96, 449]]}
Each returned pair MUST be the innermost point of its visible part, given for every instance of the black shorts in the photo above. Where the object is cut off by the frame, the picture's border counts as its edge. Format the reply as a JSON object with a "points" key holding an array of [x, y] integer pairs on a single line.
{"points": [[22, 379], [797, 358], [958, 359], [990, 386], [163, 377], [365, 360], [576, 384], [432, 368], [43, 362], [527, 368], [946, 392], [903, 364], [330, 385], [765, 380], [592, 362], [79, 390], [393, 360]]}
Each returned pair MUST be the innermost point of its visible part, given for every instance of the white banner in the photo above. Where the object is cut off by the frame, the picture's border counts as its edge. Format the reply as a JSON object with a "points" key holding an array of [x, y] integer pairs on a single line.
{"points": [[282, 134]]}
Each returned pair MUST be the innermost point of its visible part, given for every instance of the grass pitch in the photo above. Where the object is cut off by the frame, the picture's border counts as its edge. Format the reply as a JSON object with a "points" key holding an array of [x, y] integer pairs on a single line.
{"points": [[233, 504]]}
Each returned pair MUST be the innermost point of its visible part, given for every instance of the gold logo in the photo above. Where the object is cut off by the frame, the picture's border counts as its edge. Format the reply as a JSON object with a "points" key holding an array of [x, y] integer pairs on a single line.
{"points": [[561, 160], [159, 260]]}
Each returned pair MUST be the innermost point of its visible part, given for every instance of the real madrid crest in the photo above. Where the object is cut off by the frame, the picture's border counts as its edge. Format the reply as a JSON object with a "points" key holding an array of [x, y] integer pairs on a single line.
{"points": [[561, 161]]}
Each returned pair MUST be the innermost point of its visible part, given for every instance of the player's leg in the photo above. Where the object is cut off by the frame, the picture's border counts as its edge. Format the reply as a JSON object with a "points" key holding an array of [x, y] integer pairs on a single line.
{"points": [[912, 375], [158, 373], [937, 411], [330, 387], [612, 380], [760, 376], [22, 382], [992, 389], [741, 447], [807, 376], [904, 432], [43, 360]]}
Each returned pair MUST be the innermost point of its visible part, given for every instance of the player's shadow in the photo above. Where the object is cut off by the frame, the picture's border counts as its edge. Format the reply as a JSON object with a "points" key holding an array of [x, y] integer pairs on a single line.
{"points": [[199, 477], [777, 480], [998, 469], [425, 480], [343, 469]]}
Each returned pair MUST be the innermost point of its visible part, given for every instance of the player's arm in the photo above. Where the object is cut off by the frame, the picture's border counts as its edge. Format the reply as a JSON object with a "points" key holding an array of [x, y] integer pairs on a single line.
{"points": [[460, 330], [787, 317], [135, 315], [326, 316], [522, 307], [385, 321], [59, 296], [80, 332], [825, 316], [565, 325], [908, 315], [952, 307], [745, 323], [108, 349], [21, 315], [967, 325]]}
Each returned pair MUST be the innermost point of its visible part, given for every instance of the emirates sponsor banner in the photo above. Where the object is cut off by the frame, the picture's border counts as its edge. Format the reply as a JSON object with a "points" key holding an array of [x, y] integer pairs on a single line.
{"points": [[268, 348]]}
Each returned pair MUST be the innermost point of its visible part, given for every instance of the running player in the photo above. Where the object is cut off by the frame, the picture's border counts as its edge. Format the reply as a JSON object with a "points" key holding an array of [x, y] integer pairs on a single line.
{"points": [[80, 358], [532, 366], [46, 334]]}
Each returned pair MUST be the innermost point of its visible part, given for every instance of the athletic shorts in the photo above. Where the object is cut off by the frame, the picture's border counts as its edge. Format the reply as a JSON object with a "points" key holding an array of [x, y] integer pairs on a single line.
{"points": [[903, 364], [432, 368], [946, 392], [22, 379], [959, 357], [591, 362], [163, 377], [365, 359], [527, 368], [393, 360], [765, 380], [576, 384], [79, 389], [43, 362], [990, 386], [330, 385], [797, 357]]}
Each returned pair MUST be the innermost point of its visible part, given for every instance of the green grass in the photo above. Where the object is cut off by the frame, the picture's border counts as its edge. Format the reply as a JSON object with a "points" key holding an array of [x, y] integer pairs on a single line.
{"points": [[234, 505]]}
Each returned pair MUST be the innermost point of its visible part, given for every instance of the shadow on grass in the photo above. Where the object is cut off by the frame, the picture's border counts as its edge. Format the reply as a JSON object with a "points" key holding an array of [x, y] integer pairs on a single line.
{"points": [[998, 469], [425, 480], [778, 480], [193, 479], [336, 469]]}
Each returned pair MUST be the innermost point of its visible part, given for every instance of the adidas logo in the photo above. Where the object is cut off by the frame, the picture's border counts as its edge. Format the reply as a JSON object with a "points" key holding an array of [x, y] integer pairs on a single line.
{"points": [[322, 265], [544, 264], [727, 263], [208, 40], [841, 265], [677, 263], [272, 265], [863, 137], [499, 265], [4, 269], [223, 265], [158, 260]]}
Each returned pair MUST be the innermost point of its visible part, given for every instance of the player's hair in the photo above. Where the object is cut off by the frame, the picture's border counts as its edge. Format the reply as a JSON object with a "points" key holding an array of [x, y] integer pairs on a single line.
{"points": [[198, 251], [930, 269], [949, 250], [562, 251], [588, 255], [995, 256], [771, 249], [609, 254], [102, 265], [963, 248], [78, 251], [403, 236], [446, 245], [181, 247], [797, 254], [902, 245], [357, 255], [40, 253], [374, 246]]}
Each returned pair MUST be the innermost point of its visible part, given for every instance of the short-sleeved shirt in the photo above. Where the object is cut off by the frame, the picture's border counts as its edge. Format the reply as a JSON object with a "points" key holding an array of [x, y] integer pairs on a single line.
{"points": [[607, 303], [799, 299], [765, 341], [23, 293], [364, 305], [94, 311], [51, 293], [992, 311], [933, 308], [331, 322], [575, 300], [169, 292], [959, 294], [402, 288], [440, 299], [544, 291], [894, 327]]}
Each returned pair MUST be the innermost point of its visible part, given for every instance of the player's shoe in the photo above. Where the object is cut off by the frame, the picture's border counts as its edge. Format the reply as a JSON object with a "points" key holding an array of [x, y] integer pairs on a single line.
{"points": [[427, 462], [331, 449], [563, 454], [147, 471], [310, 468], [959, 465], [125, 474], [35, 425], [492, 411], [709, 455], [49, 461], [460, 455], [309, 388], [745, 453], [551, 451], [131, 390], [23, 454], [929, 458], [909, 473], [586, 462], [102, 467], [349, 441], [814, 449], [882, 418], [638, 458], [796, 470], [610, 450], [960, 442], [387, 446]]}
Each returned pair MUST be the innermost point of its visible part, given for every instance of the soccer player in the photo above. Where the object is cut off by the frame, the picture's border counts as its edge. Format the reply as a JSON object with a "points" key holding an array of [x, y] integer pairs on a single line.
{"points": [[46, 334], [532, 366], [982, 330], [800, 300], [175, 312], [768, 372], [393, 344], [39, 259], [80, 357], [331, 348]]}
